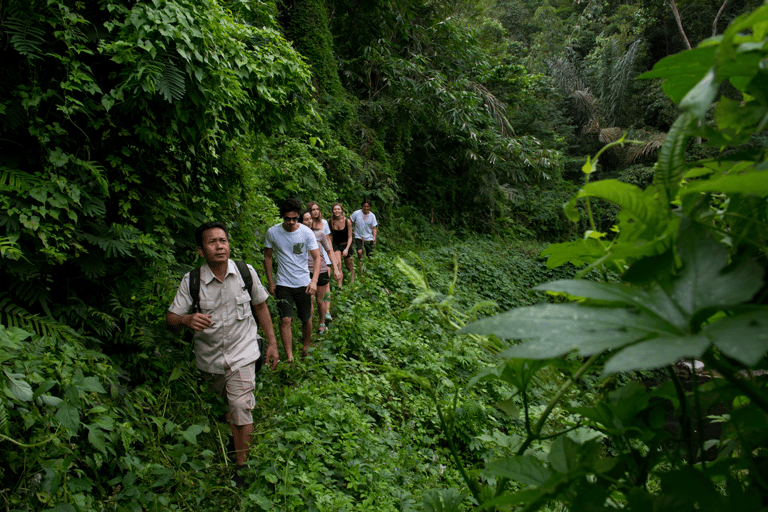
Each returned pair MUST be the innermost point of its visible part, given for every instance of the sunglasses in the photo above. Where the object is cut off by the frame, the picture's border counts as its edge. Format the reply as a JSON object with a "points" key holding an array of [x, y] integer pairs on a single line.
{"points": [[291, 219]]}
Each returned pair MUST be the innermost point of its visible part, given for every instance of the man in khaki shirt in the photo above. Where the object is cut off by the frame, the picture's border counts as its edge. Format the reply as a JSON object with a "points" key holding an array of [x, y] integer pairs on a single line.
{"points": [[226, 337]]}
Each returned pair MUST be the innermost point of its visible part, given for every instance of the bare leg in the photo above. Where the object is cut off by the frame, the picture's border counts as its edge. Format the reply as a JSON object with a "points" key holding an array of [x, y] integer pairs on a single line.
{"points": [[287, 336], [361, 258], [242, 434], [337, 268], [322, 303], [350, 263]]}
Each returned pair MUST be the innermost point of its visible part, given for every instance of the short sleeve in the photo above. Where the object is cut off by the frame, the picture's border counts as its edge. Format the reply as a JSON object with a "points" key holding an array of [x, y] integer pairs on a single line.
{"points": [[258, 292], [268, 239], [326, 227], [311, 240], [182, 303]]}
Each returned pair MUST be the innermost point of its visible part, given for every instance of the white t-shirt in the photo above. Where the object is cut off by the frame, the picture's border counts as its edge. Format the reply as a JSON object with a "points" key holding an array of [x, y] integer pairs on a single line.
{"points": [[363, 224], [323, 252], [291, 249]]}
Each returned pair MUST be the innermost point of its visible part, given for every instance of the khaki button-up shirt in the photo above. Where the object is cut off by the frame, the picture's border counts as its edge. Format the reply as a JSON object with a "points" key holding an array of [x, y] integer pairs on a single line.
{"points": [[231, 340]]}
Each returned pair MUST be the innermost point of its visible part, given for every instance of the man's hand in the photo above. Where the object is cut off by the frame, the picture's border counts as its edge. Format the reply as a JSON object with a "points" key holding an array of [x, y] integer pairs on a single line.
{"points": [[197, 321], [311, 288], [272, 287], [272, 356]]}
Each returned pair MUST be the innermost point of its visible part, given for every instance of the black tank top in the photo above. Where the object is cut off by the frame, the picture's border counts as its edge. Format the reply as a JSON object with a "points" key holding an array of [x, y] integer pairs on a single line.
{"points": [[340, 236]]}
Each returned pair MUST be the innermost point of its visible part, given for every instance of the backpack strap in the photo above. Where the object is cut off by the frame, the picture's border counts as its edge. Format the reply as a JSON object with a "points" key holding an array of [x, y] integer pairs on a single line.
{"points": [[242, 267], [194, 289]]}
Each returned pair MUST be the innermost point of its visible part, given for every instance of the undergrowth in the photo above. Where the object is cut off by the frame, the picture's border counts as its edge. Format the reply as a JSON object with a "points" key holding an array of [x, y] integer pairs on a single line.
{"points": [[343, 429]]}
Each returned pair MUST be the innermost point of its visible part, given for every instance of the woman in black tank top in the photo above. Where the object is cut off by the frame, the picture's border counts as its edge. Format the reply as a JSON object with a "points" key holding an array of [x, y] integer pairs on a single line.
{"points": [[341, 233]]}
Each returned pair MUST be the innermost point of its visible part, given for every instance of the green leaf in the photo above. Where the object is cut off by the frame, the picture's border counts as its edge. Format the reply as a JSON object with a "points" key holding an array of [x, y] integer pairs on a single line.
{"points": [[525, 469], [19, 387], [655, 302], [683, 70], [698, 99], [96, 438], [656, 353], [192, 432], [175, 374], [702, 283], [750, 183], [743, 337], [92, 385], [561, 328], [670, 166], [68, 416], [577, 252], [568, 456]]}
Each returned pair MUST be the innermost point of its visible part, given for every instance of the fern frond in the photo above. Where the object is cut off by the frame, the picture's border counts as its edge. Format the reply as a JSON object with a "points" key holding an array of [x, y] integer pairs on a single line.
{"points": [[9, 249], [15, 180], [98, 172], [30, 292], [622, 74], [497, 109], [14, 117], [112, 247], [13, 315], [608, 135], [413, 275], [3, 418], [652, 144], [170, 83], [26, 38], [670, 166]]}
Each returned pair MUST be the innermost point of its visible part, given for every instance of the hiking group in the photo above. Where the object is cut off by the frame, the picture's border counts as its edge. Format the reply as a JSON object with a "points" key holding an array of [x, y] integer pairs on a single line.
{"points": [[223, 300]]}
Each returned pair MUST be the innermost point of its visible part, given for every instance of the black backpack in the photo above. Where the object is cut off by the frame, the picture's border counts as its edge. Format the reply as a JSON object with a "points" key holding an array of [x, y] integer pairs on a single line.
{"points": [[194, 291]]}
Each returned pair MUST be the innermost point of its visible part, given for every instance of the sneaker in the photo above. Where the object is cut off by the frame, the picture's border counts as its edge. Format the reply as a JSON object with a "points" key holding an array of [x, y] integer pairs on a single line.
{"points": [[321, 329], [328, 317]]}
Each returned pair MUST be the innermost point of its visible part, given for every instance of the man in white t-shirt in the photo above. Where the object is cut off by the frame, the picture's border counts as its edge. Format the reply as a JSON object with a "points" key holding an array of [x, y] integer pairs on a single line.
{"points": [[292, 243], [365, 228]]}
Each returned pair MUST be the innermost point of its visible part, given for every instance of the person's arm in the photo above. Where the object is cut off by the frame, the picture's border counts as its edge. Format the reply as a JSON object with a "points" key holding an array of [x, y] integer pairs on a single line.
{"points": [[349, 237], [375, 232], [261, 313], [195, 321], [268, 270], [312, 286]]}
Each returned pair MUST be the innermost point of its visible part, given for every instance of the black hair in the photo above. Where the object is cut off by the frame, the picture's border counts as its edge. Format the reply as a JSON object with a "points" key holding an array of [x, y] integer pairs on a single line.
{"points": [[365, 201], [302, 213], [290, 205], [205, 227]]}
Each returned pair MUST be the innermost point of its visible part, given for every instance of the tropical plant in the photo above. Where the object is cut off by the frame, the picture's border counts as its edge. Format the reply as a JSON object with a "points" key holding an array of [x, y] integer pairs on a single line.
{"points": [[691, 250]]}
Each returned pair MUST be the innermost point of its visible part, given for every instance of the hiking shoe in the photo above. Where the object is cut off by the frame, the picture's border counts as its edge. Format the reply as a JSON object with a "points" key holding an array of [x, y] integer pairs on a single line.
{"points": [[328, 317]]}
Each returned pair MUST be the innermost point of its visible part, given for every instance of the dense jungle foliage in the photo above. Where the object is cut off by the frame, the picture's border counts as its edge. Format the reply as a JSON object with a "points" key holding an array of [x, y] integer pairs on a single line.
{"points": [[124, 125]]}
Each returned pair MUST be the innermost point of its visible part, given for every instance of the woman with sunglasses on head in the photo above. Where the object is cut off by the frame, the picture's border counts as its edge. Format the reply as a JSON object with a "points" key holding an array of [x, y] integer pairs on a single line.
{"points": [[341, 239], [322, 297]]}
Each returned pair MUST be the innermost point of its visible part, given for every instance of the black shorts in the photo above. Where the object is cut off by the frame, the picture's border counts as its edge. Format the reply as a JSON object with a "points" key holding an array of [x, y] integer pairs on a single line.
{"points": [[340, 248], [368, 244], [287, 297], [323, 279]]}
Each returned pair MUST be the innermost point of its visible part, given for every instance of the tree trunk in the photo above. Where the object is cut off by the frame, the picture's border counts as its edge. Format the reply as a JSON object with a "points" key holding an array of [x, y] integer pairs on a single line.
{"points": [[673, 5], [714, 23]]}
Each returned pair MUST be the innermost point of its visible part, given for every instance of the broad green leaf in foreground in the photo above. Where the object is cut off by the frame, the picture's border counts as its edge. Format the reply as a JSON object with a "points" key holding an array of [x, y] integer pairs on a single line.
{"points": [[647, 328], [525, 469]]}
